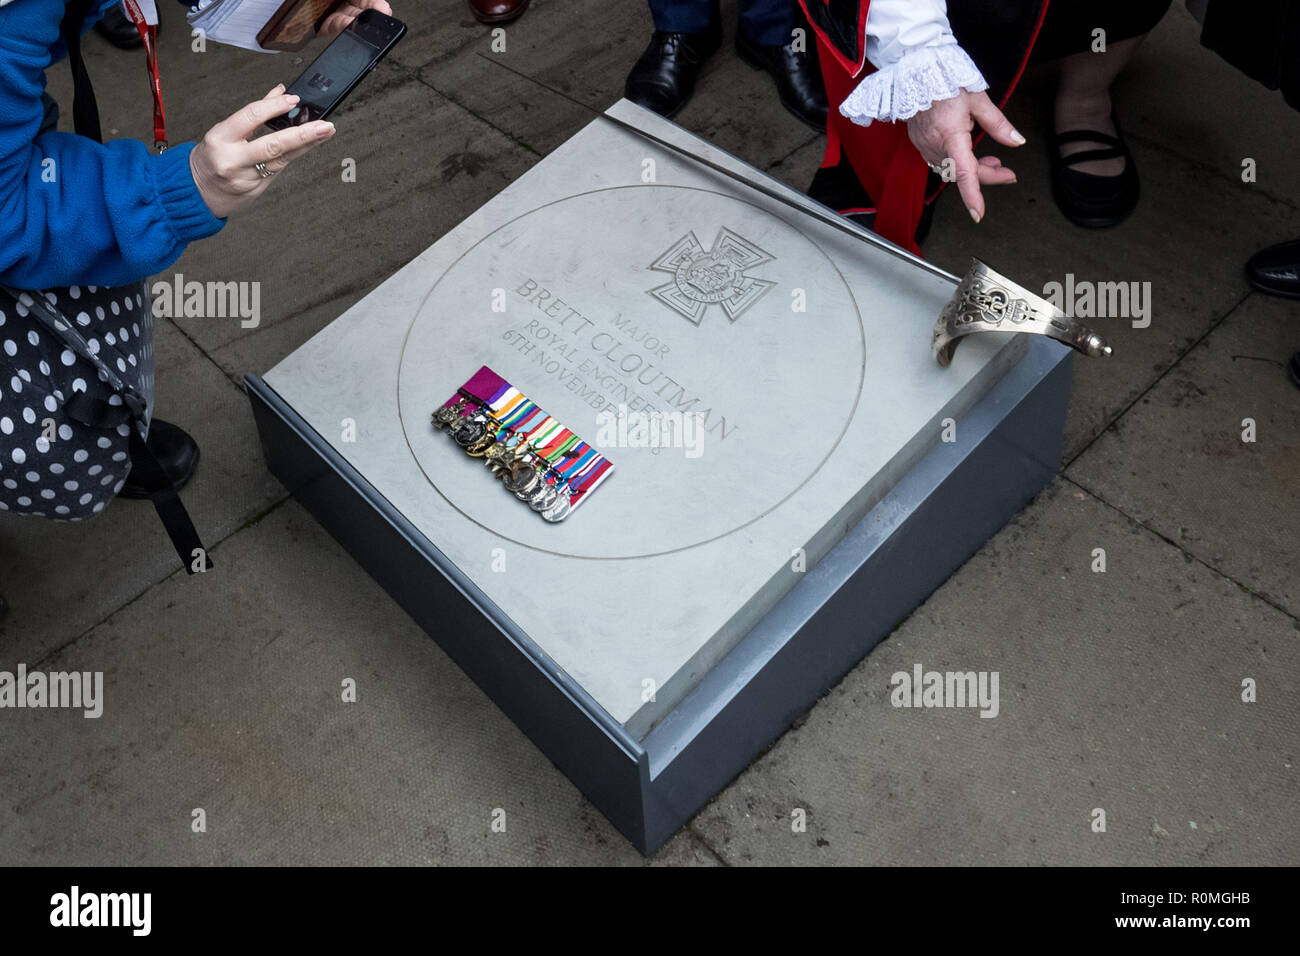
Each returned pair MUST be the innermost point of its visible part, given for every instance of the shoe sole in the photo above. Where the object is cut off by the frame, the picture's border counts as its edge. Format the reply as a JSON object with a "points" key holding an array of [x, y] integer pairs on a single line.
{"points": [[1092, 222], [1260, 287]]}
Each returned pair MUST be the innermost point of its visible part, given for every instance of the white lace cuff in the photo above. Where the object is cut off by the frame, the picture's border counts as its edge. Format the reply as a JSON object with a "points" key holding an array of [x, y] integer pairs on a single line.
{"points": [[909, 85]]}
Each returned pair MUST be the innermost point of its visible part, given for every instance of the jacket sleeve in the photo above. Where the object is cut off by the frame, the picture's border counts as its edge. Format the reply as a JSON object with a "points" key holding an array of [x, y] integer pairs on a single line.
{"points": [[917, 60], [73, 211]]}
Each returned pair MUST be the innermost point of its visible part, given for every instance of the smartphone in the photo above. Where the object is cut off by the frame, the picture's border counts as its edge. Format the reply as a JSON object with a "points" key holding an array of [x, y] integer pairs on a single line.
{"points": [[336, 72]]}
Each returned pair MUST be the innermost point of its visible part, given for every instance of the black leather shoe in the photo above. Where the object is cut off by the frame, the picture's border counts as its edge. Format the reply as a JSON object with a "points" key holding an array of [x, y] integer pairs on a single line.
{"points": [[116, 27], [797, 74], [1087, 200], [1276, 270], [663, 79], [175, 450]]}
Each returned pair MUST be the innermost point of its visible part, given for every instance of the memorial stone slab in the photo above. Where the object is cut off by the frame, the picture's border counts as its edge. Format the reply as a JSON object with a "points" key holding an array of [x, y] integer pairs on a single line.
{"points": [[764, 387]]}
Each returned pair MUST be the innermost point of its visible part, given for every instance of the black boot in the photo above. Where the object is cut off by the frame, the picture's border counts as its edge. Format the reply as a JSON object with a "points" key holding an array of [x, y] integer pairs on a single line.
{"points": [[663, 79], [1276, 270], [839, 188], [177, 453], [797, 74], [116, 27]]}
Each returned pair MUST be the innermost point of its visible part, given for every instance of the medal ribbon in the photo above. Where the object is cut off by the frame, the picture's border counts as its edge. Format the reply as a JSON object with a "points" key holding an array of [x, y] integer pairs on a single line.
{"points": [[572, 461]]}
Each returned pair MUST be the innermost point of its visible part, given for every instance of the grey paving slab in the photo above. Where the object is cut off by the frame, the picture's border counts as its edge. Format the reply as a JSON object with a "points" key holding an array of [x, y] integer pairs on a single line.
{"points": [[438, 31], [492, 87], [1189, 237], [1119, 691], [797, 169], [579, 48], [258, 351], [61, 578], [1192, 102], [1178, 461], [420, 164], [584, 54], [224, 693]]}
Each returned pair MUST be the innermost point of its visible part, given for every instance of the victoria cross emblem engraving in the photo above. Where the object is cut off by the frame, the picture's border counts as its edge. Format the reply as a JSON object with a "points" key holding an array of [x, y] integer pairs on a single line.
{"points": [[704, 277]]}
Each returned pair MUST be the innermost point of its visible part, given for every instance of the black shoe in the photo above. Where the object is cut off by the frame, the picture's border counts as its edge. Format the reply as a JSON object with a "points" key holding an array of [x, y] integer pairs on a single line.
{"points": [[1276, 270], [797, 74], [663, 79], [116, 27], [1294, 368], [839, 188], [176, 451], [1093, 202]]}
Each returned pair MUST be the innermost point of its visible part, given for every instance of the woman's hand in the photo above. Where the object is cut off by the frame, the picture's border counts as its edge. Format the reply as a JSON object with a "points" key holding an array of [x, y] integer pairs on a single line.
{"points": [[942, 134], [223, 164], [338, 21]]}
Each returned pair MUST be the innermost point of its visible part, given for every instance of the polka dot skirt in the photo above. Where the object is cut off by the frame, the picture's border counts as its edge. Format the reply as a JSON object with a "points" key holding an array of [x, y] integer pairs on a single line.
{"points": [[51, 465]]}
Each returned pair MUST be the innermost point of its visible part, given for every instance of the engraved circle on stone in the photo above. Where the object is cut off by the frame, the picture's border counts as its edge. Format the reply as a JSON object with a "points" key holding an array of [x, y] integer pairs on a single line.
{"points": [[594, 250]]}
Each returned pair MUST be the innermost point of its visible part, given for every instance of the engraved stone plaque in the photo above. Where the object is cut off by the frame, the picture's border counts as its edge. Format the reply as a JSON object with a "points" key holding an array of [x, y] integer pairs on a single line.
{"points": [[758, 379]]}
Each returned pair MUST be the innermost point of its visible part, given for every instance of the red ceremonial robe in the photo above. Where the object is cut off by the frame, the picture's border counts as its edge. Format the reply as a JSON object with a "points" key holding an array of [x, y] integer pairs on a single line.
{"points": [[998, 34]]}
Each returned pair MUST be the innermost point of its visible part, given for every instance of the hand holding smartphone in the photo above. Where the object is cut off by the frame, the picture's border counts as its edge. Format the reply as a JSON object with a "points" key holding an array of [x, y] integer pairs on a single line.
{"points": [[337, 71]]}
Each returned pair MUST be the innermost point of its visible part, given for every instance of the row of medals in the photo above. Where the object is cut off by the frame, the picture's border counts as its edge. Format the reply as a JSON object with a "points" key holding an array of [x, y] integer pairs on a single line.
{"points": [[525, 473]]}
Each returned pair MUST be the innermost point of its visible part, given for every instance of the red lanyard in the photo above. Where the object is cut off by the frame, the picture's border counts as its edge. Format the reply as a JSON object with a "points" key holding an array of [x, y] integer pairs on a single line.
{"points": [[149, 34]]}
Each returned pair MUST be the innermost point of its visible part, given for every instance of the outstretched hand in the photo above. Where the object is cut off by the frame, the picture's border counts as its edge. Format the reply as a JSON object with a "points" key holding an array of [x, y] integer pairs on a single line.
{"points": [[224, 163], [942, 134]]}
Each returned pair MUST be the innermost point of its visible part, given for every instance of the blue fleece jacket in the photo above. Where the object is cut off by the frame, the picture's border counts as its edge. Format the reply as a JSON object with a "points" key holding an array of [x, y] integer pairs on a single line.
{"points": [[105, 214]]}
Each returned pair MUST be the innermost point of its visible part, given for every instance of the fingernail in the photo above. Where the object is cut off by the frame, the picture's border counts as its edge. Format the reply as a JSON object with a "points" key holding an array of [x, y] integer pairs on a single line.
{"points": [[279, 88], [294, 97], [326, 130], [1019, 140], [973, 214]]}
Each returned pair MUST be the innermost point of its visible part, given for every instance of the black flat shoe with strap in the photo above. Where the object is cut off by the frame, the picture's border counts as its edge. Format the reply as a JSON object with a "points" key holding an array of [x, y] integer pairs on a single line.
{"points": [[1086, 199]]}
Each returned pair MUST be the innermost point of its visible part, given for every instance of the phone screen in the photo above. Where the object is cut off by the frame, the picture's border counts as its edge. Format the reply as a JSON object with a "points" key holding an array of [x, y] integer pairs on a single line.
{"points": [[328, 79]]}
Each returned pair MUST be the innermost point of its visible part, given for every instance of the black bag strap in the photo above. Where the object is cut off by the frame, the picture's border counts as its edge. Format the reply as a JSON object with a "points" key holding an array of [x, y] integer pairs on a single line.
{"points": [[94, 407], [85, 112]]}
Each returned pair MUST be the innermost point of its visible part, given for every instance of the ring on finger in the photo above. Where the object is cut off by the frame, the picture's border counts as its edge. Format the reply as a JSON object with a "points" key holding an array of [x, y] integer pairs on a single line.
{"points": [[263, 171]]}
